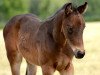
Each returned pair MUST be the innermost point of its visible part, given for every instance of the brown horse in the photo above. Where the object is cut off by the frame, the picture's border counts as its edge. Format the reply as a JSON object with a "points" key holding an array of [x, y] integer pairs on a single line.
{"points": [[50, 44]]}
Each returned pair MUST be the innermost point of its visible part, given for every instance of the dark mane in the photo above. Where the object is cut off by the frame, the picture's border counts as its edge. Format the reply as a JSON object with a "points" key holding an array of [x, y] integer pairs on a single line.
{"points": [[58, 11], [63, 7]]}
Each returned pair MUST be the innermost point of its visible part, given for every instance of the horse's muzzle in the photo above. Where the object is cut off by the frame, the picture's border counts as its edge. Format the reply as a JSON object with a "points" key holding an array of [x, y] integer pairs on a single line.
{"points": [[79, 54]]}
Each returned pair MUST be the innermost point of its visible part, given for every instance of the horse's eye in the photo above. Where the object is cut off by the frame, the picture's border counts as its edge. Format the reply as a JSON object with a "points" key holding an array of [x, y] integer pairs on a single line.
{"points": [[70, 30]]}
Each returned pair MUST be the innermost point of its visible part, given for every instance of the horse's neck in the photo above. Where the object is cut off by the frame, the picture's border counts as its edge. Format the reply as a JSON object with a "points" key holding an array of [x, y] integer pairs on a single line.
{"points": [[57, 34], [54, 26]]}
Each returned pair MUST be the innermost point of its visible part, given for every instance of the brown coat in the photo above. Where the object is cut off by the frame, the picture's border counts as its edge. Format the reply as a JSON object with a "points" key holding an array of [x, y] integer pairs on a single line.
{"points": [[45, 43]]}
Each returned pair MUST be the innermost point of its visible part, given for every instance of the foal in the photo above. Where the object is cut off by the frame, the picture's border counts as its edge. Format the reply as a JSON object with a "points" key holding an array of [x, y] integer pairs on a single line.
{"points": [[50, 44]]}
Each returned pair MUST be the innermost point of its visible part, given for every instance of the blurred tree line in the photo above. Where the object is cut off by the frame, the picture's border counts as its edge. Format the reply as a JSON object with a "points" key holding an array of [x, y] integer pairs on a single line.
{"points": [[44, 8], [9, 8]]}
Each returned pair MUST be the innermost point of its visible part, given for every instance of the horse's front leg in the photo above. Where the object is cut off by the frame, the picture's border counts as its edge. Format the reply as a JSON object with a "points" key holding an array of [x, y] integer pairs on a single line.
{"points": [[47, 70], [69, 70]]}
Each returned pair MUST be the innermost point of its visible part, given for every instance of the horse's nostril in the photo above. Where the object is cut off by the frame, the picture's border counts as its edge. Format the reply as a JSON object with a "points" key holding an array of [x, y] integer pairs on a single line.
{"points": [[80, 54]]}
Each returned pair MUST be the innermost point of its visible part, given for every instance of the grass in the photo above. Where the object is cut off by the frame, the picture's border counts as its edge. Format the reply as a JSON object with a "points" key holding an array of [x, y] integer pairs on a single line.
{"points": [[89, 65]]}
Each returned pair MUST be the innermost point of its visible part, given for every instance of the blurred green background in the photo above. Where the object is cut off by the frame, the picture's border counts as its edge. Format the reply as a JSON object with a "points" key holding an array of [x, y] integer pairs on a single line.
{"points": [[44, 8], [89, 65]]}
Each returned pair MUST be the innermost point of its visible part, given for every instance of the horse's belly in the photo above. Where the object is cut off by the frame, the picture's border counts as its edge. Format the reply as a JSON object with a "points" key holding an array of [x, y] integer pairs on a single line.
{"points": [[29, 55], [31, 58], [28, 50]]}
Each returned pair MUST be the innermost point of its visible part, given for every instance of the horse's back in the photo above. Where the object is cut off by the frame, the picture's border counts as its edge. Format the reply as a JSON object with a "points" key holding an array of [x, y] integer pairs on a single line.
{"points": [[19, 21], [26, 23], [29, 24]]}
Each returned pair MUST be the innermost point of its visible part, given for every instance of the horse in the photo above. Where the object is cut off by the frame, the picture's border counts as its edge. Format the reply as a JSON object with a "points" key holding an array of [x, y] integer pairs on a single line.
{"points": [[50, 44]]}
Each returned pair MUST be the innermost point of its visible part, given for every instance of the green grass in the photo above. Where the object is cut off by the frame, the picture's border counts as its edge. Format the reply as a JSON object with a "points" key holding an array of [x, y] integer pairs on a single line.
{"points": [[89, 65]]}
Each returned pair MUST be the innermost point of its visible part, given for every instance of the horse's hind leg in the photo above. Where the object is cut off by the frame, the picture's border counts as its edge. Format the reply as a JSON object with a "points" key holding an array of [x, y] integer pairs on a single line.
{"points": [[31, 69], [15, 59]]}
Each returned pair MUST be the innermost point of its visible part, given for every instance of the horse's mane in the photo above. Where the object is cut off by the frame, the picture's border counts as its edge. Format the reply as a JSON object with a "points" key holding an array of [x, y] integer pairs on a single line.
{"points": [[63, 7], [58, 11]]}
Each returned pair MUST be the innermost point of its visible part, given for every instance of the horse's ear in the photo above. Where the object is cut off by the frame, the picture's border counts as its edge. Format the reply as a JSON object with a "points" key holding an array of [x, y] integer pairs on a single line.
{"points": [[82, 8], [68, 8]]}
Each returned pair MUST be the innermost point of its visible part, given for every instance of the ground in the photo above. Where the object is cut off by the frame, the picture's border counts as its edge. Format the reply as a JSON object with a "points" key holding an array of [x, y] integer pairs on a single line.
{"points": [[89, 65]]}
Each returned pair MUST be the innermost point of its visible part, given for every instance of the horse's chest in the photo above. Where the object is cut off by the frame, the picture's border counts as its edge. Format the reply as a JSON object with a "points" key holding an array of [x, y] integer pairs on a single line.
{"points": [[62, 62]]}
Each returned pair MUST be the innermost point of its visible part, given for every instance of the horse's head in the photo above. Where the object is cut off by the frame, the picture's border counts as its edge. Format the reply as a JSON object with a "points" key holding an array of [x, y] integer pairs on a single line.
{"points": [[73, 25]]}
